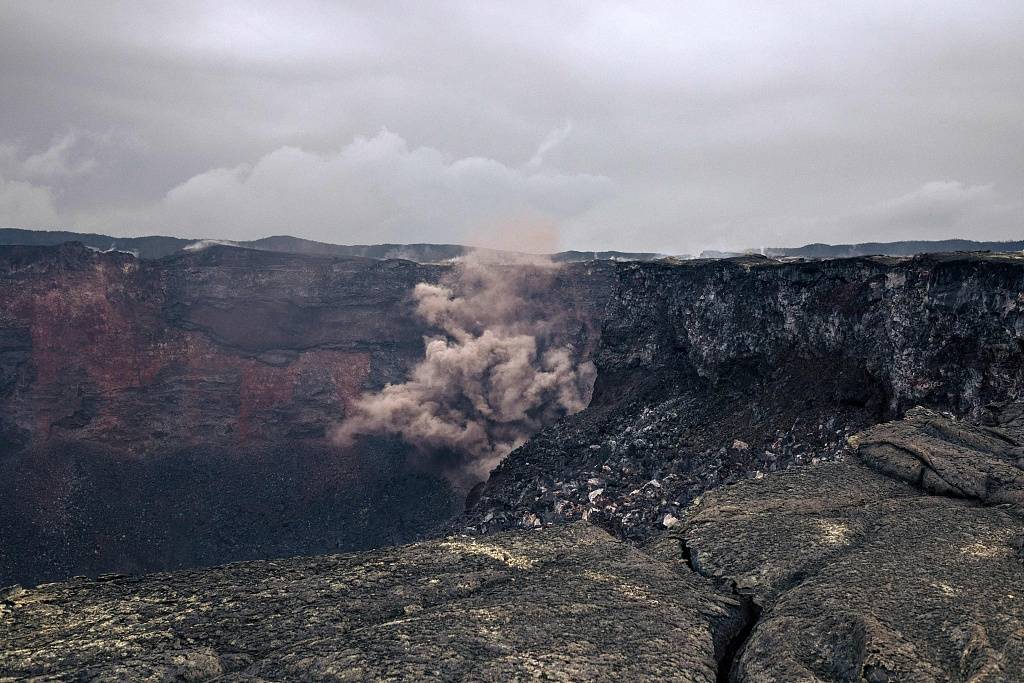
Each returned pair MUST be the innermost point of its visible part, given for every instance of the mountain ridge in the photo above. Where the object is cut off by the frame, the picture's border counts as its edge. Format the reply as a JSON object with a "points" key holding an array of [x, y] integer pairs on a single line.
{"points": [[158, 246]]}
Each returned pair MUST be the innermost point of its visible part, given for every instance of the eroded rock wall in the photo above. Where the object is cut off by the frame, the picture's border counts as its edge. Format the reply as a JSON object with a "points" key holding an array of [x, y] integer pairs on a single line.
{"points": [[716, 371], [176, 412]]}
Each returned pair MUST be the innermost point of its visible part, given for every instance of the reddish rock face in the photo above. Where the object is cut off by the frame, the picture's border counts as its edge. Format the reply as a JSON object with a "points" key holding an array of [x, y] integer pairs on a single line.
{"points": [[174, 412], [213, 348]]}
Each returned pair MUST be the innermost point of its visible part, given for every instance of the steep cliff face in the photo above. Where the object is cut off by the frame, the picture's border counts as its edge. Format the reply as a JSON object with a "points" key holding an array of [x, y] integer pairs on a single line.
{"points": [[223, 346], [711, 372], [175, 412]]}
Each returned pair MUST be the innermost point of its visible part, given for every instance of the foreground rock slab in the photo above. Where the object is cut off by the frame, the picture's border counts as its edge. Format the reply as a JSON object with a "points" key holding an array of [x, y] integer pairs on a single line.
{"points": [[903, 562], [564, 604]]}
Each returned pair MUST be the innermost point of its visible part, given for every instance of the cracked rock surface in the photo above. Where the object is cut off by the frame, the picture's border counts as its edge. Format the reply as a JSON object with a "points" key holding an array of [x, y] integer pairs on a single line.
{"points": [[904, 561], [570, 603], [863, 573]]}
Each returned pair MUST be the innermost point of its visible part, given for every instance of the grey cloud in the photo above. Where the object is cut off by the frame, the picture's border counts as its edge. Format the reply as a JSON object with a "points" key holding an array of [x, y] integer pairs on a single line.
{"points": [[374, 189], [943, 209], [64, 158], [58, 160], [23, 204], [720, 123]]}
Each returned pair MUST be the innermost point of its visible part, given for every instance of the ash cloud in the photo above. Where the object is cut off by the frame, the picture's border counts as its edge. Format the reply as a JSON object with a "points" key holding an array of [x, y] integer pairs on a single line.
{"points": [[497, 371]]}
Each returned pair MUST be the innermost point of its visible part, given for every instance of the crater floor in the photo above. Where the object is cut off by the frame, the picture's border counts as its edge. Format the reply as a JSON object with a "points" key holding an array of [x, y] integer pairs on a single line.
{"points": [[903, 561]]}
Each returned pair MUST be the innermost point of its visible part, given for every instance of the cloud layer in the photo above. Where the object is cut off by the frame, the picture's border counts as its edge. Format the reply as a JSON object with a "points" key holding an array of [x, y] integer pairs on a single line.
{"points": [[374, 188], [718, 124]]}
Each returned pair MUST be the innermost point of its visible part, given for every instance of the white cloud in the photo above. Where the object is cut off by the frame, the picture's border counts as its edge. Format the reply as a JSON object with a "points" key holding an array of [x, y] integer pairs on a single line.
{"points": [[25, 205], [943, 200], [64, 158], [59, 160], [374, 190], [552, 140]]}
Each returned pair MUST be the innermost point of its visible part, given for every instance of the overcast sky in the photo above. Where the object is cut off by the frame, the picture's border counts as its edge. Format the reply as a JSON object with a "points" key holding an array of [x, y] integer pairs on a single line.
{"points": [[672, 126]]}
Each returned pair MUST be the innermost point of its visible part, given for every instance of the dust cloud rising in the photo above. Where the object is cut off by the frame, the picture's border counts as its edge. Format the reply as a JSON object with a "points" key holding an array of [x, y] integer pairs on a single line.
{"points": [[498, 370]]}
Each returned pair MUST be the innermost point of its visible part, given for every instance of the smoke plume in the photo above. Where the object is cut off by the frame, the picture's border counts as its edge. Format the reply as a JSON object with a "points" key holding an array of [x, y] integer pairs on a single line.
{"points": [[499, 369]]}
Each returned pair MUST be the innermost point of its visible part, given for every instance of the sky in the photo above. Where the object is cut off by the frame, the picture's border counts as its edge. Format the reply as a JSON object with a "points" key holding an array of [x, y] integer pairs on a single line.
{"points": [[639, 126]]}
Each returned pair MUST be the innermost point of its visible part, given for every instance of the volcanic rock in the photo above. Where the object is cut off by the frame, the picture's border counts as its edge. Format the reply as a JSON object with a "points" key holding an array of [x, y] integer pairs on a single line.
{"points": [[176, 412], [842, 571], [893, 565], [569, 604], [712, 372]]}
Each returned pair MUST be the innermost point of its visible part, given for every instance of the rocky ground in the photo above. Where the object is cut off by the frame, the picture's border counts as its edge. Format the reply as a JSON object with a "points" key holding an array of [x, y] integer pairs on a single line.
{"points": [[719, 371], [903, 561], [567, 604], [778, 509]]}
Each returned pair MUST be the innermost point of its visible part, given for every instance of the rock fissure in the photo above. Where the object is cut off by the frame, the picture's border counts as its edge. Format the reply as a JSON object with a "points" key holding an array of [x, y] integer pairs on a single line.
{"points": [[865, 572], [748, 616], [727, 664]]}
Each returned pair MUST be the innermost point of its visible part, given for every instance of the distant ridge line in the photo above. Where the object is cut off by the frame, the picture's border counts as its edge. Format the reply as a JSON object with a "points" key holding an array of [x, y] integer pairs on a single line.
{"points": [[160, 246], [899, 248]]}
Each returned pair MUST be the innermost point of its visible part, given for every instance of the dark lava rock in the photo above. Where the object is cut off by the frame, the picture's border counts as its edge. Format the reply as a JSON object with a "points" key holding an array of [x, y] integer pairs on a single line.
{"points": [[843, 571], [169, 413], [712, 372], [863, 573], [567, 604], [944, 457], [903, 248]]}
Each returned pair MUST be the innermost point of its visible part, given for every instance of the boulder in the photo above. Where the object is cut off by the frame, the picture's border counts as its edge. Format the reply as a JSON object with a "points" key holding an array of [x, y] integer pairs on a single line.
{"points": [[902, 562]]}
